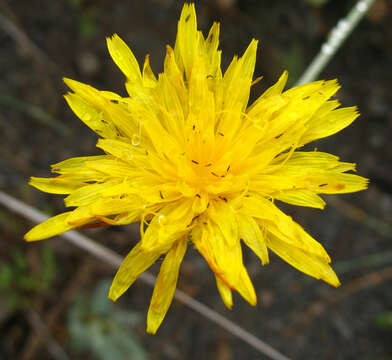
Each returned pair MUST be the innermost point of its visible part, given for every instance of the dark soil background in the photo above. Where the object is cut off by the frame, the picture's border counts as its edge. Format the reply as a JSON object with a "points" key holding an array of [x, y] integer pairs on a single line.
{"points": [[301, 317]]}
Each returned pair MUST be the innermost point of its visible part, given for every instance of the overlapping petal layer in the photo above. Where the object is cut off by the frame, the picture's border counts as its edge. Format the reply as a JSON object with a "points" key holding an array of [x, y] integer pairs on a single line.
{"points": [[186, 156]]}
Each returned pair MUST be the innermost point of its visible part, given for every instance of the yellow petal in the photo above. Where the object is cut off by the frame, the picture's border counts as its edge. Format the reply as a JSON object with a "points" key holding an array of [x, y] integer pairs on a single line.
{"points": [[114, 168], [167, 226], [265, 107], [123, 150], [90, 115], [111, 115], [251, 234], [175, 76], [111, 96], [123, 57], [165, 286], [312, 160], [87, 194], [320, 89], [245, 287], [57, 185], [51, 227], [306, 262], [187, 39], [224, 218], [225, 292], [149, 79], [274, 90], [301, 198], [314, 171], [75, 163], [329, 124], [213, 54], [236, 85], [135, 263], [273, 220], [80, 216], [224, 260], [173, 117], [116, 205]]}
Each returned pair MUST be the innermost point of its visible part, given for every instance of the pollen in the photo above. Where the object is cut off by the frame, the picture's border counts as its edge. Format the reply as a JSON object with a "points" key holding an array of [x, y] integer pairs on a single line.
{"points": [[187, 156]]}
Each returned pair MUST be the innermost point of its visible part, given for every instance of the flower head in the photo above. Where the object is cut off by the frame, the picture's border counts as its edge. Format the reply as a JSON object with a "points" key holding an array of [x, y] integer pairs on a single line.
{"points": [[186, 156]]}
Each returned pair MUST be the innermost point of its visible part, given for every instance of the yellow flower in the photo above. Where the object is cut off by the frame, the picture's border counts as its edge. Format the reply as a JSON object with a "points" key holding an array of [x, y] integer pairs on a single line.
{"points": [[187, 157]]}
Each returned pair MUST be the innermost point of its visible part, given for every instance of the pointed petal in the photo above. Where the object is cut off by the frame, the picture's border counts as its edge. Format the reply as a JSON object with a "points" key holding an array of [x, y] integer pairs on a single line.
{"points": [[263, 107], [304, 261], [224, 260], [123, 57], [251, 234], [135, 263], [165, 285], [301, 198], [149, 79], [276, 222], [57, 185], [171, 223], [321, 126], [187, 39], [224, 218], [225, 292], [87, 194], [213, 54], [120, 149], [51, 227], [112, 167], [72, 164], [233, 99], [90, 115], [314, 171], [275, 89]]}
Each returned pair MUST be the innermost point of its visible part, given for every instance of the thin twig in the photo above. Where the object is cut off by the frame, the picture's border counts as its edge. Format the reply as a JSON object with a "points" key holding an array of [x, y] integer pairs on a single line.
{"points": [[35, 113], [25, 43], [34, 341], [363, 262], [112, 258], [338, 35], [40, 327], [335, 296], [359, 215]]}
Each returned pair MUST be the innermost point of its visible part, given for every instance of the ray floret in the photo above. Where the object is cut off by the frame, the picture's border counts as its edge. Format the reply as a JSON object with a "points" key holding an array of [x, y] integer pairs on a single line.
{"points": [[188, 157]]}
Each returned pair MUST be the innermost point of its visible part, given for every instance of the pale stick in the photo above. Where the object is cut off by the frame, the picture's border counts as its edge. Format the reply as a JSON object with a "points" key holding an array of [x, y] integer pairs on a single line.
{"points": [[113, 259], [338, 35]]}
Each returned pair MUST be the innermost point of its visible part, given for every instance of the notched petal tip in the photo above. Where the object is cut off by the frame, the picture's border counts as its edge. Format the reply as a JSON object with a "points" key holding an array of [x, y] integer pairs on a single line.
{"points": [[123, 57], [111, 37]]}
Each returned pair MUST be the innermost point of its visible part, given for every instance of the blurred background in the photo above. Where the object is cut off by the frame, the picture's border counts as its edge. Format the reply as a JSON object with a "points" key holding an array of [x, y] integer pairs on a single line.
{"points": [[53, 295]]}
